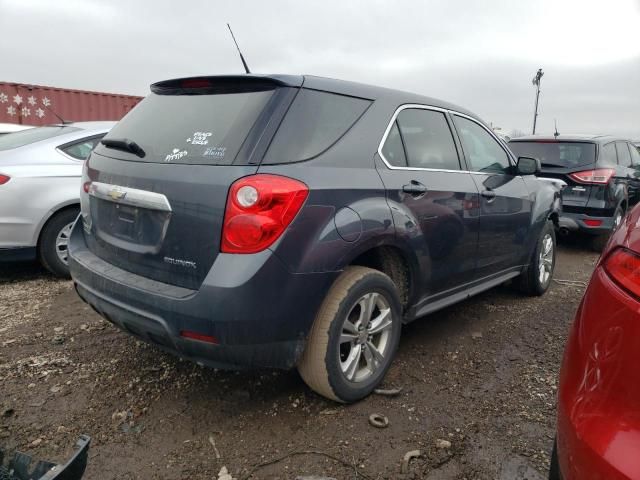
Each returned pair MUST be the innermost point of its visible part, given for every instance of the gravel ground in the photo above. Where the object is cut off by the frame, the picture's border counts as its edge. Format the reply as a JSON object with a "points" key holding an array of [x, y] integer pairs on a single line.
{"points": [[478, 394]]}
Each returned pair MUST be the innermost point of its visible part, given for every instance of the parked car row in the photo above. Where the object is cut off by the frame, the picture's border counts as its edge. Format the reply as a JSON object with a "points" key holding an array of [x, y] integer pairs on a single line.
{"points": [[300, 222]]}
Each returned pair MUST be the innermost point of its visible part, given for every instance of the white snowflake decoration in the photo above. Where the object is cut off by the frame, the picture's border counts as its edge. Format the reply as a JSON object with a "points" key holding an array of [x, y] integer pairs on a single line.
{"points": [[11, 110], [17, 99], [25, 111], [40, 113], [46, 102], [32, 100], [3, 97]]}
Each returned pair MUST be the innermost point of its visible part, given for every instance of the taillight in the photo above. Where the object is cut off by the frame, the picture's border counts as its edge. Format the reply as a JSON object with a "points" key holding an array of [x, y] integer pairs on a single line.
{"points": [[259, 208], [623, 266], [4, 179], [85, 186], [599, 176]]}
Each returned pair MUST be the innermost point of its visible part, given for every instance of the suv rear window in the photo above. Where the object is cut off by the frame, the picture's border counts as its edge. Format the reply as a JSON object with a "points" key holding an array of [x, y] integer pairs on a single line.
{"points": [[204, 129], [556, 154], [315, 122], [32, 135]]}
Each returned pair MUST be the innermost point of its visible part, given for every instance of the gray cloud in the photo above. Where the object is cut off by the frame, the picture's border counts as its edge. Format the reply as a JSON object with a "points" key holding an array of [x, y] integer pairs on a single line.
{"points": [[478, 54]]}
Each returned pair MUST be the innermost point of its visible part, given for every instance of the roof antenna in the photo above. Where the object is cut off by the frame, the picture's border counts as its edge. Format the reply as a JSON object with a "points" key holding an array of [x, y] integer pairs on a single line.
{"points": [[555, 123], [246, 67]]}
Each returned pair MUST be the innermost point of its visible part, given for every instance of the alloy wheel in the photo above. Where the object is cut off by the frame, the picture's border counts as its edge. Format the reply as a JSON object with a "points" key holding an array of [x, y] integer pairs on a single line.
{"points": [[545, 261], [365, 337]]}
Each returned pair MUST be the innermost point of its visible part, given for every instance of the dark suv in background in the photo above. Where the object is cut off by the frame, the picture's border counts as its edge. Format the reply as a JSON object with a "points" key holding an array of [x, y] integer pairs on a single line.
{"points": [[283, 221], [602, 175]]}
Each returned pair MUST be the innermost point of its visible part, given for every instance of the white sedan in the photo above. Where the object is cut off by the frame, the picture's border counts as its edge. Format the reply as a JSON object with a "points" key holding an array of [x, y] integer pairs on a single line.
{"points": [[40, 171]]}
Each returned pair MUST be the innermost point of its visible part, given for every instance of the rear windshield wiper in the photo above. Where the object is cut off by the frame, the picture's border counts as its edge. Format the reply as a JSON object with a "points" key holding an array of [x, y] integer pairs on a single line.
{"points": [[124, 144], [555, 165]]}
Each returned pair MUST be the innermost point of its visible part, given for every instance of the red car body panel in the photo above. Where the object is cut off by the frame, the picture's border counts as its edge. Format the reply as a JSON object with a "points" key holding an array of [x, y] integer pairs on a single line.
{"points": [[599, 393]]}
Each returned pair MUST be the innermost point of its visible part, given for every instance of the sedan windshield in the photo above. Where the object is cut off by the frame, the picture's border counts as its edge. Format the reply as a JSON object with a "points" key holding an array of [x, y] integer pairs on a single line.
{"points": [[32, 135]]}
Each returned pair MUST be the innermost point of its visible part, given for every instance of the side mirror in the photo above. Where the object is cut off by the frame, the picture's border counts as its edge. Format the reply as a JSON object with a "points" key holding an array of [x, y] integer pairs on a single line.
{"points": [[528, 166]]}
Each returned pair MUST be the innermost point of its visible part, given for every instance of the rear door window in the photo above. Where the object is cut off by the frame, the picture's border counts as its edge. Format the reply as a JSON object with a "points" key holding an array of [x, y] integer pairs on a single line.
{"points": [[608, 155], [314, 123], [624, 157], [206, 129], [427, 139], [483, 152]]}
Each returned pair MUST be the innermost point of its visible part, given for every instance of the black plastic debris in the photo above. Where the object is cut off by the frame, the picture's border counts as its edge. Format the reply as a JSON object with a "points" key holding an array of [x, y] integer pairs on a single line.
{"points": [[23, 467]]}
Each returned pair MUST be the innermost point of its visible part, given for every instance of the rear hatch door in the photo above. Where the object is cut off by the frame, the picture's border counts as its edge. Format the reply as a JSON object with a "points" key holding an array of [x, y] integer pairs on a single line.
{"points": [[159, 181], [559, 159]]}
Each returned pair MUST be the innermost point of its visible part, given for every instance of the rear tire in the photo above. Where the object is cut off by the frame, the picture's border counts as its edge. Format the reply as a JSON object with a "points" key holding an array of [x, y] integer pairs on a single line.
{"points": [[54, 241], [554, 468], [598, 243], [354, 336], [536, 278]]}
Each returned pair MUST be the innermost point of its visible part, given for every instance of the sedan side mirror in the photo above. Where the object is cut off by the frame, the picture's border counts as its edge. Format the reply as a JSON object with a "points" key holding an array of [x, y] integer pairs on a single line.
{"points": [[528, 166]]}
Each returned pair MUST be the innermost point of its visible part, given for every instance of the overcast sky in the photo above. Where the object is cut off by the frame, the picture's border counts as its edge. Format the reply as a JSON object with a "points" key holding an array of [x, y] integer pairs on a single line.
{"points": [[479, 54]]}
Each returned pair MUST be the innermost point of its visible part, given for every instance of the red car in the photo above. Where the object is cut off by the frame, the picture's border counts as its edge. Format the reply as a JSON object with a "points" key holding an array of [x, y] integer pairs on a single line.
{"points": [[599, 394]]}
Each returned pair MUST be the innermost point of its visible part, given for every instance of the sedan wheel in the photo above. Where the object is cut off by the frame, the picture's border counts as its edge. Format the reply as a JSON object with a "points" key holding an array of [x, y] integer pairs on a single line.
{"points": [[62, 243], [53, 246]]}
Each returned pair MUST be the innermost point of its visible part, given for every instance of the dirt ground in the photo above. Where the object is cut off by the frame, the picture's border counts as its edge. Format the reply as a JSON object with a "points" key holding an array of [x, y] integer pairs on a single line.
{"points": [[480, 375]]}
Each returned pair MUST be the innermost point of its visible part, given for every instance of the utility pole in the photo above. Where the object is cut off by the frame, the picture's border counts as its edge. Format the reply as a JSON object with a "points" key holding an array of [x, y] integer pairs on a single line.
{"points": [[536, 82]]}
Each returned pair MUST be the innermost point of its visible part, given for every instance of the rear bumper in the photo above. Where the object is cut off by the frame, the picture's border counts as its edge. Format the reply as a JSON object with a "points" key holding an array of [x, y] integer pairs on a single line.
{"points": [[575, 222], [258, 312], [598, 421]]}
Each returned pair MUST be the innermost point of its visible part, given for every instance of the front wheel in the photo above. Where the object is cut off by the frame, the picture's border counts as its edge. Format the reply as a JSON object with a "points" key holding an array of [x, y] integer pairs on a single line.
{"points": [[536, 278], [354, 337]]}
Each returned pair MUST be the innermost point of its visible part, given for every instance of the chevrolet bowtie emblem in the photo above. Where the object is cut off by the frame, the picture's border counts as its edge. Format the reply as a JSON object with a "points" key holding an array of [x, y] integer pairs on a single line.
{"points": [[116, 194]]}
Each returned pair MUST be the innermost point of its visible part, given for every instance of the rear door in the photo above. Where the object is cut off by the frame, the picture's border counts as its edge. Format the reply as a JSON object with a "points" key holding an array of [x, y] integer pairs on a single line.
{"points": [[433, 200], [505, 205], [156, 209]]}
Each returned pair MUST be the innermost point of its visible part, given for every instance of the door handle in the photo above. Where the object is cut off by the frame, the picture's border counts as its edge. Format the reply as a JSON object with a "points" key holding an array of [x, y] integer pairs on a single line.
{"points": [[490, 195], [415, 189]]}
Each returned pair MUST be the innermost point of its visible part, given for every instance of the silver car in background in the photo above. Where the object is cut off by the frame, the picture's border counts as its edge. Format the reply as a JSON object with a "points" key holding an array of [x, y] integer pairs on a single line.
{"points": [[40, 171]]}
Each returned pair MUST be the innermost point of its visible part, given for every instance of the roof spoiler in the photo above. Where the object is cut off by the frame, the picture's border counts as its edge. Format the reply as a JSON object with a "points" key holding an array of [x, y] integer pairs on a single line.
{"points": [[224, 84]]}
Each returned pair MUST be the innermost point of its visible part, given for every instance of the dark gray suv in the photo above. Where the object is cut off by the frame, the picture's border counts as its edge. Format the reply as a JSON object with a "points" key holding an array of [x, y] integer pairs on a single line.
{"points": [[602, 174], [283, 221]]}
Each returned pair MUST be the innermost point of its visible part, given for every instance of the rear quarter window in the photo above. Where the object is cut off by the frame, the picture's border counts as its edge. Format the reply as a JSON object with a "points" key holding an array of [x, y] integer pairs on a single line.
{"points": [[314, 123]]}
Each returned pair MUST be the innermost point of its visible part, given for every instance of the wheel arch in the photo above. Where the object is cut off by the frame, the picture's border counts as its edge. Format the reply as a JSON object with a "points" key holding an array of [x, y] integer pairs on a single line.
{"points": [[396, 262], [69, 205]]}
